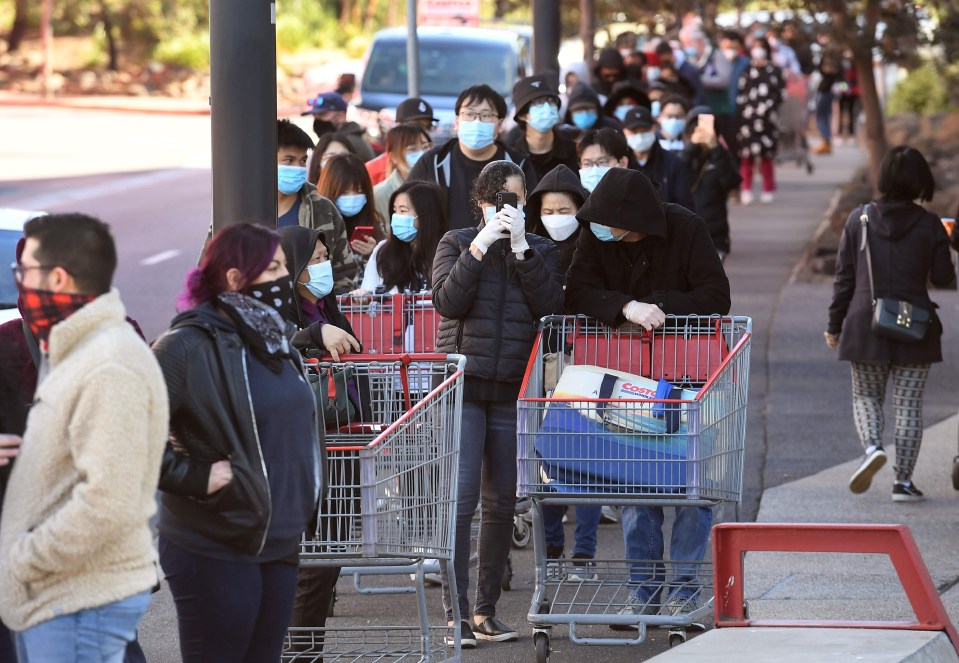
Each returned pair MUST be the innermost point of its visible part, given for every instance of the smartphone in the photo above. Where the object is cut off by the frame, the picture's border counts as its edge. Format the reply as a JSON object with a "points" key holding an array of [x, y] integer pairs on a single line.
{"points": [[504, 198], [361, 233], [707, 121]]}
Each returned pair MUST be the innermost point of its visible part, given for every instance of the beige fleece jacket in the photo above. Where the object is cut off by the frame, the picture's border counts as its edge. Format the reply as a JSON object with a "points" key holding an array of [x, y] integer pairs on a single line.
{"points": [[75, 531]]}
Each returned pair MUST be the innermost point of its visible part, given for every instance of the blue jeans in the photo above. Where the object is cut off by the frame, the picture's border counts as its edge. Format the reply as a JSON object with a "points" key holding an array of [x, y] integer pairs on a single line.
{"points": [[488, 468], [587, 522], [96, 635], [643, 532], [824, 115]]}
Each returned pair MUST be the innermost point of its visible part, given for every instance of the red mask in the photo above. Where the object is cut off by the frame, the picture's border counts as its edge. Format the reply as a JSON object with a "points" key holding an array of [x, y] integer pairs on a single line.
{"points": [[42, 309]]}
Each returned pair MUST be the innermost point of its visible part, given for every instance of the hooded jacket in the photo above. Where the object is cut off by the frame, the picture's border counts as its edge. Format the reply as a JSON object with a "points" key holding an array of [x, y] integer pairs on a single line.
{"points": [[674, 266], [608, 58], [205, 364], [563, 179], [583, 94], [319, 213], [668, 171], [909, 247], [563, 152], [490, 308]]}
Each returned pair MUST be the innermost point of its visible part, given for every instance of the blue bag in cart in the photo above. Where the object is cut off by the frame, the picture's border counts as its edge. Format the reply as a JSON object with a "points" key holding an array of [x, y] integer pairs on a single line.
{"points": [[582, 454]]}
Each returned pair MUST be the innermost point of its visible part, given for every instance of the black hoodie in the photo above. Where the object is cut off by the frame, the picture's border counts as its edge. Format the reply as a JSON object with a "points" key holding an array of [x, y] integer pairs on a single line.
{"points": [[674, 266], [609, 58], [562, 179], [584, 94], [298, 244]]}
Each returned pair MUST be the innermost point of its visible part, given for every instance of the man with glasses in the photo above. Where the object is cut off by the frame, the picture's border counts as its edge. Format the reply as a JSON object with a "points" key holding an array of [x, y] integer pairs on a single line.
{"points": [[76, 555], [537, 116], [599, 150], [456, 164]]}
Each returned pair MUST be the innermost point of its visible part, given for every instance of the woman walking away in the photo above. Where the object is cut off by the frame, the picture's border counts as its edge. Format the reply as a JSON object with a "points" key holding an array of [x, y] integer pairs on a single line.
{"points": [[242, 473], [906, 246], [491, 284]]}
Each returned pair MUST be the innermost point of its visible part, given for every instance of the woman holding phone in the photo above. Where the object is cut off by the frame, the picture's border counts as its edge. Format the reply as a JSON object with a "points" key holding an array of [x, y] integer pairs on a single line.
{"points": [[344, 180], [491, 284]]}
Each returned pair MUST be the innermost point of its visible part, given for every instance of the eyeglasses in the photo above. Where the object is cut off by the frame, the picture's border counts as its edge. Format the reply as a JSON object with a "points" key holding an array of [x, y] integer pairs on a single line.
{"points": [[602, 163], [544, 101], [485, 116], [20, 270]]}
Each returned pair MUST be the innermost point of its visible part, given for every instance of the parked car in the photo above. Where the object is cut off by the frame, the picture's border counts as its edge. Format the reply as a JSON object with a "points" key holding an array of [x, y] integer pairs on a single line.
{"points": [[451, 60], [11, 230]]}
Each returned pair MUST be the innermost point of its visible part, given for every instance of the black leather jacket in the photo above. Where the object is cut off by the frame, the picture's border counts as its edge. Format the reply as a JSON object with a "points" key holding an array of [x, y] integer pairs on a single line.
{"points": [[204, 362]]}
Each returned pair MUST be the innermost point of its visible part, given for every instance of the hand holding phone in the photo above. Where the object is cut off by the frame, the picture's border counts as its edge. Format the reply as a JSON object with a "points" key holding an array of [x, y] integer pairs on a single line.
{"points": [[361, 233], [708, 121]]}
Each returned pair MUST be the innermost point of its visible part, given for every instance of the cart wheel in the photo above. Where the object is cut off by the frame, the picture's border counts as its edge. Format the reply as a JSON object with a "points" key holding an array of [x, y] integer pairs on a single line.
{"points": [[521, 533], [541, 642], [677, 638], [507, 582], [955, 472]]}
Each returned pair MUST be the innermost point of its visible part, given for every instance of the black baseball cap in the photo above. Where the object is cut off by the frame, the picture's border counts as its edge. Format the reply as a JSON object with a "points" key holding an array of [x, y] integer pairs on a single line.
{"points": [[414, 108], [639, 117]]}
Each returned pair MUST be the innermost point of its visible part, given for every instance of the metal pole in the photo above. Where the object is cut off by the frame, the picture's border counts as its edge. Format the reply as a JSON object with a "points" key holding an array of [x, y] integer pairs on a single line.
{"points": [[243, 111], [546, 28], [412, 52], [587, 29]]}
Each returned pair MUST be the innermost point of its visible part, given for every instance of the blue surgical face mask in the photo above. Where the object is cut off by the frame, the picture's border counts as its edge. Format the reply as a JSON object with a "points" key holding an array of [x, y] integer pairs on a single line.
{"points": [[652, 74], [290, 179], [403, 227], [413, 157], [604, 234], [476, 134], [691, 52], [621, 112], [352, 204], [585, 119], [655, 108], [673, 126], [543, 117], [590, 177], [321, 279]]}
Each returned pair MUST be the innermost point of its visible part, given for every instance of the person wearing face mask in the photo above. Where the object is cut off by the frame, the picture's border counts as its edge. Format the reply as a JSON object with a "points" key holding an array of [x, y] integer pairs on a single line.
{"points": [[537, 131], [663, 167], [625, 96], [245, 465], [761, 92], [598, 152], [345, 181], [455, 165], [585, 111], [713, 174], [551, 211], [609, 69], [403, 262], [688, 77], [491, 284], [329, 116], [414, 112], [672, 123], [299, 203], [637, 261], [723, 102], [405, 145]]}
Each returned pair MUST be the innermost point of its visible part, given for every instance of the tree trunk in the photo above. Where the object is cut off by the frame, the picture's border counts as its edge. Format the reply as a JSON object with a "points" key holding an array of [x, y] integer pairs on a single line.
{"points": [[587, 30], [370, 12], [875, 128], [392, 13], [345, 10], [19, 27], [112, 52]]}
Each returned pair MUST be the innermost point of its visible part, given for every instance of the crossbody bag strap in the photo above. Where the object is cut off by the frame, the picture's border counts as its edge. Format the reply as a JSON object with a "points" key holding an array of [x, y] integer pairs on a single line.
{"points": [[864, 246]]}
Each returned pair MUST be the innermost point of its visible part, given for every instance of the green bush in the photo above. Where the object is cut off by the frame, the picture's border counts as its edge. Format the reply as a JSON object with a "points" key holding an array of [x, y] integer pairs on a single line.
{"points": [[922, 91], [188, 50]]}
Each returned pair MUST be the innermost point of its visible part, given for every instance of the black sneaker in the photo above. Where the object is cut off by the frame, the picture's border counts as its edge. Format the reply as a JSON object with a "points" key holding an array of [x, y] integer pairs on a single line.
{"points": [[862, 479], [467, 639], [906, 491], [582, 568], [494, 630]]}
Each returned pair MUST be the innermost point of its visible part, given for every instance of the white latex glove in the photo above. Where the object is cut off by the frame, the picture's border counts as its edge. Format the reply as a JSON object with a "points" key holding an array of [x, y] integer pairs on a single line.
{"points": [[649, 316], [515, 221], [493, 231]]}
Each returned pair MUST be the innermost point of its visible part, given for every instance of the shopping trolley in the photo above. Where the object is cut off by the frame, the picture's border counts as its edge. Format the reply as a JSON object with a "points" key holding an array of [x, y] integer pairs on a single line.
{"points": [[391, 503], [682, 446]]}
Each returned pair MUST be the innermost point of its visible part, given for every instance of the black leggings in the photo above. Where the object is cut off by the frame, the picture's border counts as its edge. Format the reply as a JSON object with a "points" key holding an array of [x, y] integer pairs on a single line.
{"points": [[228, 612], [847, 114]]}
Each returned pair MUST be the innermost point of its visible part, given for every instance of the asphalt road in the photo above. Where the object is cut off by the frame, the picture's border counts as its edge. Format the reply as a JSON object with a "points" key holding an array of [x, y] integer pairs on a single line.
{"points": [[148, 177]]}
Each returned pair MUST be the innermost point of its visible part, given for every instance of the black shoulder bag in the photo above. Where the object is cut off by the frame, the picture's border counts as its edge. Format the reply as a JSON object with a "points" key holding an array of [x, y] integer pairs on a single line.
{"points": [[895, 319]]}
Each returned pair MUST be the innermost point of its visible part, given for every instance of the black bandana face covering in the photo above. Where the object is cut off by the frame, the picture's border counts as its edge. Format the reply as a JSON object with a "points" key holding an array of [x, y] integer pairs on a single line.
{"points": [[275, 294]]}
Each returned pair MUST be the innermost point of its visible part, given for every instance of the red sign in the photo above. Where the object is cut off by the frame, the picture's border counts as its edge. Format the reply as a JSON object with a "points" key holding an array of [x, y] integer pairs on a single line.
{"points": [[448, 12]]}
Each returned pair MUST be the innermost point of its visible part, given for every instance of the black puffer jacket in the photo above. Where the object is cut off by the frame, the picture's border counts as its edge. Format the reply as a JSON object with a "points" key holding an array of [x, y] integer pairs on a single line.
{"points": [[674, 266], [713, 175], [490, 308], [909, 247], [204, 363]]}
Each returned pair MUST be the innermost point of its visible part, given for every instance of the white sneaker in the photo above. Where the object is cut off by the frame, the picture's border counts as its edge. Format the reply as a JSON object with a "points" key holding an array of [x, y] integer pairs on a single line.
{"points": [[745, 198], [766, 197]]}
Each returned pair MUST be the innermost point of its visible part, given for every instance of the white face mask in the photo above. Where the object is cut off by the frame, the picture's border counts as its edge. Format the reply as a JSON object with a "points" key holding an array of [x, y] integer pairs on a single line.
{"points": [[560, 226], [641, 143]]}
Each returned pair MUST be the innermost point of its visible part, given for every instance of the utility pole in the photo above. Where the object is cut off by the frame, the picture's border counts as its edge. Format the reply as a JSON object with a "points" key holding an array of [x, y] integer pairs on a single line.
{"points": [[412, 52], [243, 111], [587, 29], [546, 45]]}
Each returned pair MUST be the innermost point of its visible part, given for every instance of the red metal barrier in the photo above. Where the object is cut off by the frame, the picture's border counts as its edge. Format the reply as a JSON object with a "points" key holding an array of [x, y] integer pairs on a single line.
{"points": [[732, 541]]}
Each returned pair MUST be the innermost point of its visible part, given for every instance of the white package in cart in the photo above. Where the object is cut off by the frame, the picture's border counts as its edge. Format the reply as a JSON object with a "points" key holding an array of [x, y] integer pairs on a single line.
{"points": [[607, 384]]}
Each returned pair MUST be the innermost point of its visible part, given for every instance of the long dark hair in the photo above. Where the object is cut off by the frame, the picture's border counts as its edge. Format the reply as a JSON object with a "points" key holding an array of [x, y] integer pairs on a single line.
{"points": [[246, 246], [343, 174], [313, 175], [410, 264]]}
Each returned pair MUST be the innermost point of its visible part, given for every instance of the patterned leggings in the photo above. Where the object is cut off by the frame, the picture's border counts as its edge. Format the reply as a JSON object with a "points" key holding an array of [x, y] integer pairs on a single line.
{"points": [[869, 392]]}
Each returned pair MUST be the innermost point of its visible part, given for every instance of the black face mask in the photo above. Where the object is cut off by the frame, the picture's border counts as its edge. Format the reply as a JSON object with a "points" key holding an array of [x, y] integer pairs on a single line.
{"points": [[322, 127], [278, 294]]}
